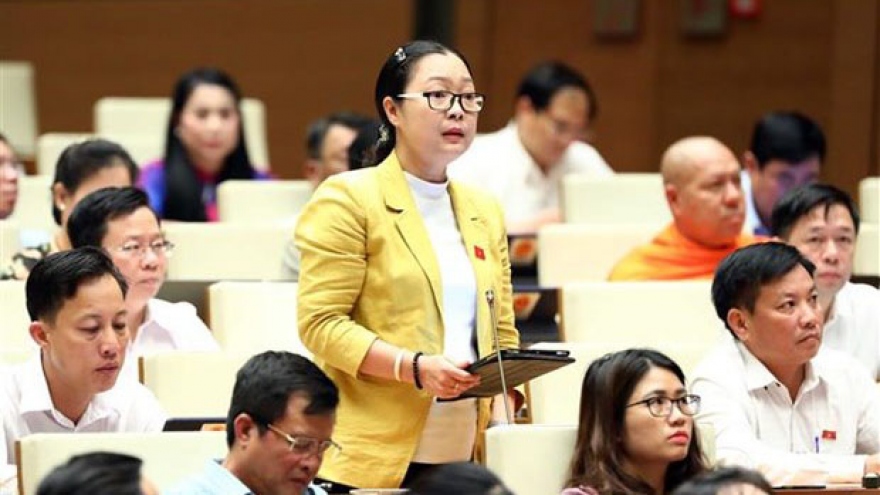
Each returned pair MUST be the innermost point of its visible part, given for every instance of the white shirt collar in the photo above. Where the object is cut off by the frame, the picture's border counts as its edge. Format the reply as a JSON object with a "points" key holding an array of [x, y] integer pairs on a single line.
{"points": [[758, 376], [35, 397]]}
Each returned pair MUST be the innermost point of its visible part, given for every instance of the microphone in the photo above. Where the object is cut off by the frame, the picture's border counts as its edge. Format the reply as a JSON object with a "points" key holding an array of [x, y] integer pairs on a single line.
{"points": [[490, 300]]}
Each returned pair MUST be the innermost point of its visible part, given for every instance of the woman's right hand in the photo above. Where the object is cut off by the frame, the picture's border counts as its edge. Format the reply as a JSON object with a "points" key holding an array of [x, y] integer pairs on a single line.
{"points": [[444, 378]]}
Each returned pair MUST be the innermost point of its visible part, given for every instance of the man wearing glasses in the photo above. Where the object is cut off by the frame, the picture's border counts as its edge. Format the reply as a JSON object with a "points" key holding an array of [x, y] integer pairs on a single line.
{"points": [[777, 403], [120, 221], [523, 164], [278, 430]]}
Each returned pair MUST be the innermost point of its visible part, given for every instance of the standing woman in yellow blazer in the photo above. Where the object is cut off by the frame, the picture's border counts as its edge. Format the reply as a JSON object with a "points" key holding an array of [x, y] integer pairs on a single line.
{"points": [[396, 264]]}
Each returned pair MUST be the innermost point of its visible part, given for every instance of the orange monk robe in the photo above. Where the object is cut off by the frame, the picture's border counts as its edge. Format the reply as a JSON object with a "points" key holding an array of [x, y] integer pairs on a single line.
{"points": [[672, 256]]}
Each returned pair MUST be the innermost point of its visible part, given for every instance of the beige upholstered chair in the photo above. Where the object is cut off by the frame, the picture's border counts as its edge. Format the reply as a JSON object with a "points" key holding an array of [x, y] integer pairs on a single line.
{"points": [[168, 457], [251, 201], [867, 257], [620, 199], [50, 146], [869, 199], [585, 252], [252, 317], [18, 106], [14, 322], [192, 384]]}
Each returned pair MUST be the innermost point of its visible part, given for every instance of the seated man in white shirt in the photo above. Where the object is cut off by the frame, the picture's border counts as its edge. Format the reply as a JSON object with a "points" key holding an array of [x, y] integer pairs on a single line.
{"points": [[786, 151], [823, 223], [777, 402], [524, 163], [119, 220], [279, 425], [76, 301]]}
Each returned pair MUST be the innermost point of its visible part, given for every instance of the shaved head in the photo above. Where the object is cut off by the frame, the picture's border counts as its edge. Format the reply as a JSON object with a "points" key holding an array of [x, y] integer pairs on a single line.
{"points": [[702, 181], [684, 156]]}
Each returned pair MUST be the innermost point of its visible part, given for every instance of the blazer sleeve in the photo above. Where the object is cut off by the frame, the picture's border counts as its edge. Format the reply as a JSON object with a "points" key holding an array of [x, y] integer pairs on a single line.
{"points": [[331, 237]]}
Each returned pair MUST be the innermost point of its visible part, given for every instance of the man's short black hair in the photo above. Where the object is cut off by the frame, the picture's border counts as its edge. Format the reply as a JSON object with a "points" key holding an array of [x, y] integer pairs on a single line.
{"points": [[267, 381], [87, 224], [546, 79], [799, 202], [791, 137], [317, 130], [741, 275], [57, 277], [717, 480], [96, 473]]}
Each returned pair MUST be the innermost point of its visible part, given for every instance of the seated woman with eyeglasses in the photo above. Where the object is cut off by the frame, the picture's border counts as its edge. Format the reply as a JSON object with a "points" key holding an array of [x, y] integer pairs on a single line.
{"points": [[120, 221], [636, 432]]}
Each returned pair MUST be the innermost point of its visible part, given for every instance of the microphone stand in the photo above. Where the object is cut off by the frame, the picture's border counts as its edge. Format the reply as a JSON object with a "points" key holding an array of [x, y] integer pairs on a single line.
{"points": [[490, 299]]}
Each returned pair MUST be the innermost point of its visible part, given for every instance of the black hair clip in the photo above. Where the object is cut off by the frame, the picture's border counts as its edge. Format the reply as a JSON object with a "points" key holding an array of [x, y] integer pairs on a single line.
{"points": [[400, 55]]}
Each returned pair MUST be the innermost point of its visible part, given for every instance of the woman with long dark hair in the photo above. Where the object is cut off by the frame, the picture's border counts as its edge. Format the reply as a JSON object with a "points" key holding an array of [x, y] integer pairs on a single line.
{"points": [[204, 146], [636, 433]]}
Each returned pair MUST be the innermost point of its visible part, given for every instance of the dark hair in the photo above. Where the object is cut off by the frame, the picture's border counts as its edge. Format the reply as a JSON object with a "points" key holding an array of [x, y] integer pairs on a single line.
{"points": [[317, 130], [95, 473], [598, 456], [362, 151], [393, 78], [791, 137], [79, 162], [3, 139], [740, 276], [715, 481], [265, 383], [544, 80], [87, 224], [800, 201], [57, 277], [183, 190], [460, 478]]}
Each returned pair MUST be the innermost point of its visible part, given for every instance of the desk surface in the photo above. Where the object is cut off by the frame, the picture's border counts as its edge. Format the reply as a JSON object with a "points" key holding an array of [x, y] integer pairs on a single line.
{"points": [[835, 489]]}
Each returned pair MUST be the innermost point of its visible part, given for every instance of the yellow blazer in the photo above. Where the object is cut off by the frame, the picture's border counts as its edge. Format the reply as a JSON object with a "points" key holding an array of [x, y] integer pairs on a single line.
{"points": [[369, 271]]}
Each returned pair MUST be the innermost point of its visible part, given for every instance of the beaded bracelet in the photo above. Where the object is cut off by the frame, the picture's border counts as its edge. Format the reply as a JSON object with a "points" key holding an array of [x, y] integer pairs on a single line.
{"points": [[415, 366]]}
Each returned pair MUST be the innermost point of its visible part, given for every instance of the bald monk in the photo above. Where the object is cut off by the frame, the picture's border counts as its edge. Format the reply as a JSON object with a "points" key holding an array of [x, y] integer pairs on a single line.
{"points": [[701, 179]]}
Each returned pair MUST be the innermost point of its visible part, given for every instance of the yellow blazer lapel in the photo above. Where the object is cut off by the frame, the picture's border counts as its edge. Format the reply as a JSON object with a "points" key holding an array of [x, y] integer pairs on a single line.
{"points": [[474, 233], [399, 200]]}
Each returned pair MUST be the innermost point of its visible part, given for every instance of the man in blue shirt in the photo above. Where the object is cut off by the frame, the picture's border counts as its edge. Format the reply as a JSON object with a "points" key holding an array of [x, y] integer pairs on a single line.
{"points": [[787, 151], [279, 425]]}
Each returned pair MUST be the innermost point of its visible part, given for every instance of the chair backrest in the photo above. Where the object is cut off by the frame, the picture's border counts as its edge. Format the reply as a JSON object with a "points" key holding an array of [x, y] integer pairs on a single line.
{"points": [[554, 398], [227, 251], [867, 256], [531, 458], [51, 145], [18, 106], [168, 458], [14, 319], [143, 121], [869, 199], [640, 313], [583, 252], [251, 201], [252, 317], [9, 240], [33, 209], [192, 384], [620, 199]]}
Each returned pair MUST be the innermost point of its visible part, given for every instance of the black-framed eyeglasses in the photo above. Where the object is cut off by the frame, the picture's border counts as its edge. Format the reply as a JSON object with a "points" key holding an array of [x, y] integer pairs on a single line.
{"points": [[661, 407], [137, 250], [303, 445], [442, 101]]}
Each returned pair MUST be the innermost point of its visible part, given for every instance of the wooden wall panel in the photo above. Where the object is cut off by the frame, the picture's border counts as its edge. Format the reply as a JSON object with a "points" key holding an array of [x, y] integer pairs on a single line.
{"points": [[817, 56], [304, 58]]}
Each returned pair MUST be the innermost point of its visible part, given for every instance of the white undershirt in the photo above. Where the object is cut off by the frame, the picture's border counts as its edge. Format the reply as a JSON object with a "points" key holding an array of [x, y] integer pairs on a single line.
{"points": [[438, 444]]}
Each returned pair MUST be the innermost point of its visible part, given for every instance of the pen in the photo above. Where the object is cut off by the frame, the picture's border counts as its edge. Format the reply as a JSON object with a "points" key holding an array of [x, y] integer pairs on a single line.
{"points": [[816, 443]]}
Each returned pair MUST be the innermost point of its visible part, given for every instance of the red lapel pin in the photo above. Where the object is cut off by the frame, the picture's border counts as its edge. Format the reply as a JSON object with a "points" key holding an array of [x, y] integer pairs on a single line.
{"points": [[478, 252]]}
